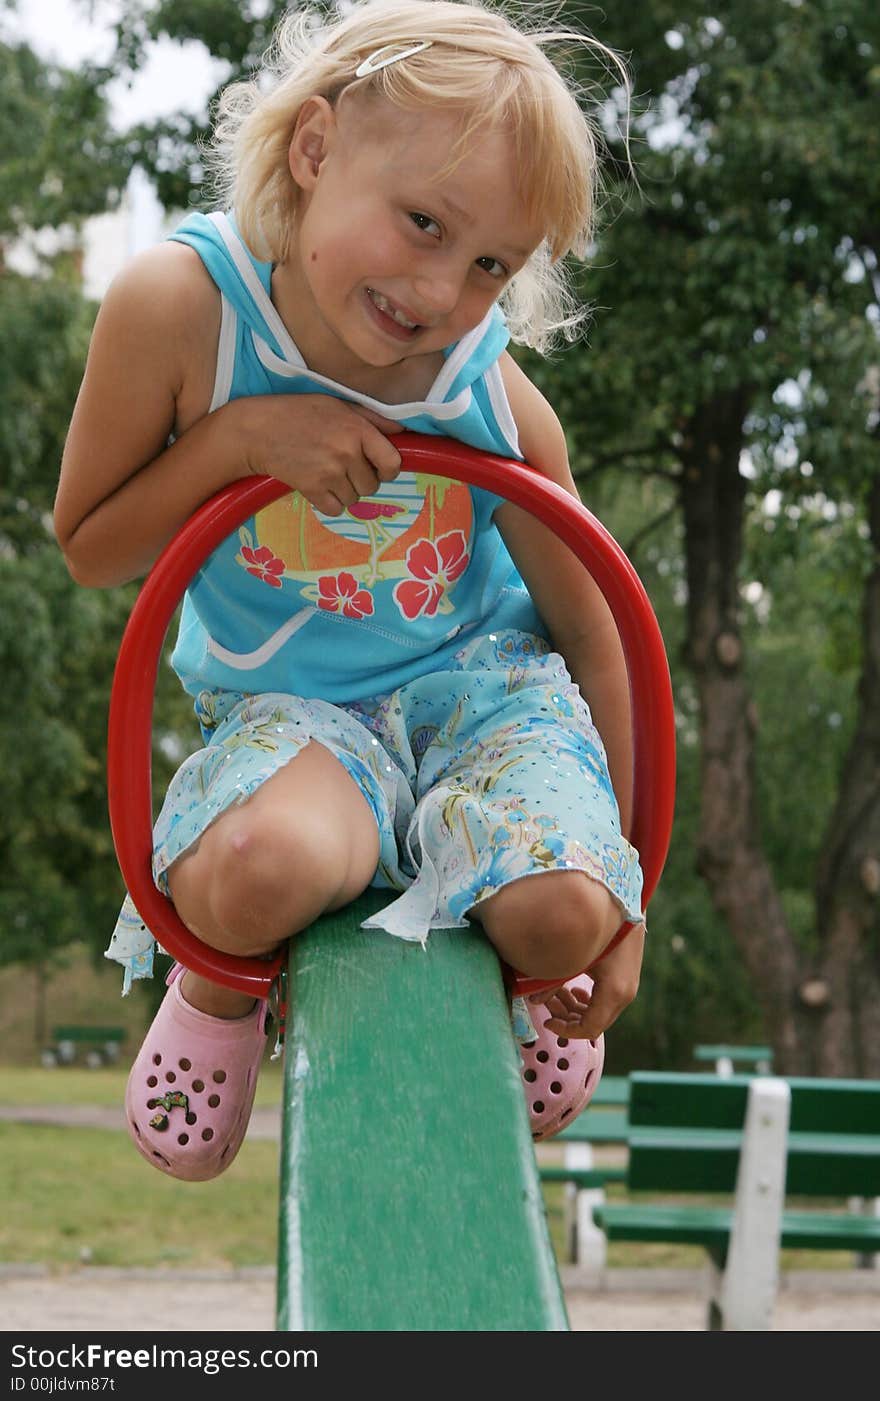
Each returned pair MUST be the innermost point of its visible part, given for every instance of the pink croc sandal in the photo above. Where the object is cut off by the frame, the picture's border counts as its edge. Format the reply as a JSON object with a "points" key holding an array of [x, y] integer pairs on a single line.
{"points": [[191, 1089], [559, 1074]]}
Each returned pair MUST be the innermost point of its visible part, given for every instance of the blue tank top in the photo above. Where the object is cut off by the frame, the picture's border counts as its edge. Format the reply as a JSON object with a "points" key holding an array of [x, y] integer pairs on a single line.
{"points": [[350, 607]]}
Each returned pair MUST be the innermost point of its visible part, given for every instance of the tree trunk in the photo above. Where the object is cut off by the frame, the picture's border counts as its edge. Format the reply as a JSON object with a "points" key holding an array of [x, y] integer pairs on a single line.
{"points": [[846, 1024], [730, 856]]}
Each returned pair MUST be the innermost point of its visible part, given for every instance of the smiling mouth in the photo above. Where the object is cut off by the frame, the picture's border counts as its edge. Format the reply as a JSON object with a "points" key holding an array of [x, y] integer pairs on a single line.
{"points": [[393, 313]]}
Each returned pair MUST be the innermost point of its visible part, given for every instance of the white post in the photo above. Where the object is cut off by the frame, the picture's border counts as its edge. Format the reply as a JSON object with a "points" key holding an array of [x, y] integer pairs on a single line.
{"points": [[585, 1242], [866, 1206], [751, 1276]]}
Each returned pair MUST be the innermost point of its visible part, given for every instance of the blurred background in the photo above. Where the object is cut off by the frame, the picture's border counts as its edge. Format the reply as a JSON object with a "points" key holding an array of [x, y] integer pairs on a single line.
{"points": [[722, 417]]}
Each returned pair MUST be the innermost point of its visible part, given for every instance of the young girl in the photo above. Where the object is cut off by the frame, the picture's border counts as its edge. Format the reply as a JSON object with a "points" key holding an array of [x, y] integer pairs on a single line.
{"points": [[382, 701]]}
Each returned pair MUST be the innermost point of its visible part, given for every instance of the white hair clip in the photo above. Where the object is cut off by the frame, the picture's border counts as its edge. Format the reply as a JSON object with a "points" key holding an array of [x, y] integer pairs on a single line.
{"points": [[375, 60]]}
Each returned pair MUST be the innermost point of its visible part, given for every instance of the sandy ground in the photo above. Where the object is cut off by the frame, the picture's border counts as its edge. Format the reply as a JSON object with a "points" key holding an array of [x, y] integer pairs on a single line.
{"points": [[106, 1300]]}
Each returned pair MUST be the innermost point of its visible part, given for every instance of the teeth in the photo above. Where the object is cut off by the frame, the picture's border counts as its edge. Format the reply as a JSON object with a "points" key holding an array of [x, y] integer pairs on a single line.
{"points": [[384, 305]]}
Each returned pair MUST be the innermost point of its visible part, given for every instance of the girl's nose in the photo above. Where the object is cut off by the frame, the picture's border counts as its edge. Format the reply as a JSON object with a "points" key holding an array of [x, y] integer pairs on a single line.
{"points": [[439, 291]]}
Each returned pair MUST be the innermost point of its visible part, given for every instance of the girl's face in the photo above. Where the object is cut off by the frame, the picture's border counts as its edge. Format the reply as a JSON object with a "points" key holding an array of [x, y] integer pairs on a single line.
{"points": [[389, 261]]}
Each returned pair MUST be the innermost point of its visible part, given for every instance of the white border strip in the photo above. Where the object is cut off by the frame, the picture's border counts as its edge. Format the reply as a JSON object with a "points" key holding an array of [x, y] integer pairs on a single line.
{"points": [[249, 661], [225, 355], [454, 409], [454, 363], [255, 287], [501, 407]]}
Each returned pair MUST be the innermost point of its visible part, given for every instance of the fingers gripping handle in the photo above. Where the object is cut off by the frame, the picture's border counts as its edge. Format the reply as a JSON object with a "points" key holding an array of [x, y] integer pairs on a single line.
{"points": [[129, 747]]}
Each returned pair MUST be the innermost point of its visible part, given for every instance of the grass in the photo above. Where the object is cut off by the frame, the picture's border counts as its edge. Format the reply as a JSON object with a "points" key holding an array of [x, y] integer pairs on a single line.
{"points": [[84, 1195], [104, 1086]]}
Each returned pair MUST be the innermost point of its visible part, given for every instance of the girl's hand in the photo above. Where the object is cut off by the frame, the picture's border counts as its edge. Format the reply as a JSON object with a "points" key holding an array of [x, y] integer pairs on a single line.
{"points": [[330, 451], [580, 1016]]}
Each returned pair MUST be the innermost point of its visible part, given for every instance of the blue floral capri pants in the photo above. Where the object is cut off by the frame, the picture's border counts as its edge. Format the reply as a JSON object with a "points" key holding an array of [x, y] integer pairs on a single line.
{"points": [[477, 775]]}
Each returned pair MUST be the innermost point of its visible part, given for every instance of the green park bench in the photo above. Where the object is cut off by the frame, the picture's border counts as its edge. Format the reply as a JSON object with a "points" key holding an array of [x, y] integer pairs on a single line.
{"points": [[764, 1140], [99, 1045], [612, 1090], [728, 1059]]}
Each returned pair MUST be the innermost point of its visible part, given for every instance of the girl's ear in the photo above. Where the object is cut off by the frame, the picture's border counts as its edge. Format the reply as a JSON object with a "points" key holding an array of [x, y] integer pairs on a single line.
{"points": [[311, 141]]}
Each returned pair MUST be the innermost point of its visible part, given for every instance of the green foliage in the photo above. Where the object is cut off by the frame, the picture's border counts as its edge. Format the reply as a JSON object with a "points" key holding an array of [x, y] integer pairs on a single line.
{"points": [[745, 267], [234, 31], [58, 876], [804, 654], [46, 325], [738, 263], [56, 641], [61, 160]]}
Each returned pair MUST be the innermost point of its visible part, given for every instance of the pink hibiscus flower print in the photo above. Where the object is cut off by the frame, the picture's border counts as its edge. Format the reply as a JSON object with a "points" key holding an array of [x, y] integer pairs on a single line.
{"points": [[433, 568], [375, 510], [340, 593], [263, 564]]}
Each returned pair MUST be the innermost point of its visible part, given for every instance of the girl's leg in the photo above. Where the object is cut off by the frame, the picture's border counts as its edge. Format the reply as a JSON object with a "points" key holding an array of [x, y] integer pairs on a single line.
{"points": [[550, 925], [305, 842]]}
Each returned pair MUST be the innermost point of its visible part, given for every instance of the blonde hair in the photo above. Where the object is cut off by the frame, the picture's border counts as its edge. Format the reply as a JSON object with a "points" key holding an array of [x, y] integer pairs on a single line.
{"points": [[479, 65]]}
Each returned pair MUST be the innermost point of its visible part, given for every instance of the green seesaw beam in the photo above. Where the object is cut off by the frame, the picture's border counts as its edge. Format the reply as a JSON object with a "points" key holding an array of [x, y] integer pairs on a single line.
{"points": [[410, 1197]]}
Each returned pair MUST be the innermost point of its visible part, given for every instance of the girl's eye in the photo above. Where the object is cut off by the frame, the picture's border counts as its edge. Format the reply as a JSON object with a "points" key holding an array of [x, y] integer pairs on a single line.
{"points": [[492, 267], [426, 223]]}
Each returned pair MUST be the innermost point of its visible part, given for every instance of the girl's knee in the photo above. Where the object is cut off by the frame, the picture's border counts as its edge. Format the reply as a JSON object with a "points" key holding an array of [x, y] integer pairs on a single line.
{"points": [[253, 882], [304, 843], [253, 863], [552, 925]]}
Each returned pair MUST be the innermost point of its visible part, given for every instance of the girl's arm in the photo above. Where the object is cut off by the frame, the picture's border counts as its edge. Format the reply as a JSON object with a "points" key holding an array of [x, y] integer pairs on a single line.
{"points": [[123, 491], [584, 632], [579, 620]]}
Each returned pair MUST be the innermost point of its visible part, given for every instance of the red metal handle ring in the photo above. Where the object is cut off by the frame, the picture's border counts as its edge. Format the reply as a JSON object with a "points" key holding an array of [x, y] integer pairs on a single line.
{"points": [[129, 748]]}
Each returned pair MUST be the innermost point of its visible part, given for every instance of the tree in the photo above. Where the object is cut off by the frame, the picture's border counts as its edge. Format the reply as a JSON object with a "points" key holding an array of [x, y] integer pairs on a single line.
{"points": [[61, 159], [236, 31], [58, 877], [744, 323]]}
